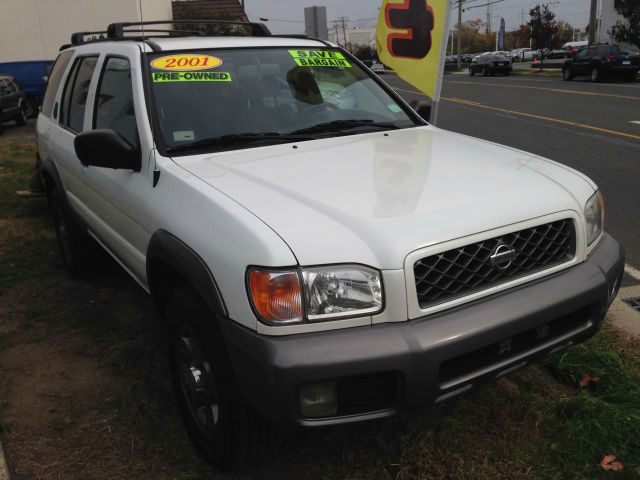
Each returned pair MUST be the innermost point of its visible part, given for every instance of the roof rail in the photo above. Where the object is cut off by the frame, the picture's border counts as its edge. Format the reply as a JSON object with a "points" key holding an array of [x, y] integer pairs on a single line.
{"points": [[78, 37], [117, 30]]}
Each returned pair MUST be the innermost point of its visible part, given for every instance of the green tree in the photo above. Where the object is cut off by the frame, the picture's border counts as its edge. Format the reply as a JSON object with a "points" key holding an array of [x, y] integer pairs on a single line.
{"points": [[564, 34], [629, 29], [543, 26]]}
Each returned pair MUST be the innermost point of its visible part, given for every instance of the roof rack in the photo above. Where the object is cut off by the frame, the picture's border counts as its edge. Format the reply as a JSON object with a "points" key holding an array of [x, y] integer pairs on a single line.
{"points": [[117, 30], [78, 37]]}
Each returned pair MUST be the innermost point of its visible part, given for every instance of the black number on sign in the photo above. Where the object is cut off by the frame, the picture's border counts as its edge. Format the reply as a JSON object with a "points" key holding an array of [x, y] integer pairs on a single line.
{"points": [[416, 16]]}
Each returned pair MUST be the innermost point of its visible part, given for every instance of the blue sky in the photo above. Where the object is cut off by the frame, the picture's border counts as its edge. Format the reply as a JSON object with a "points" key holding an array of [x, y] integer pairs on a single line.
{"points": [[287, 16]]}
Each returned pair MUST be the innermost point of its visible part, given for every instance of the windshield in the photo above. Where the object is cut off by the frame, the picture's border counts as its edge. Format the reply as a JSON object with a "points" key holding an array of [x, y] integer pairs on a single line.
{"points": [[230, 99]]}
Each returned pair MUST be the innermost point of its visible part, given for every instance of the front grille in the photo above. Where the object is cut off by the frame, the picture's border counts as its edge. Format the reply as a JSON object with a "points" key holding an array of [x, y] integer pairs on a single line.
{"points": [[462, 271]]}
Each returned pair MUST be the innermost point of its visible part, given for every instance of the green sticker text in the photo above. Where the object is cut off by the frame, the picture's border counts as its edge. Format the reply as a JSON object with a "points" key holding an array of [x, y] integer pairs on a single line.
{"points": [[319, 58]]}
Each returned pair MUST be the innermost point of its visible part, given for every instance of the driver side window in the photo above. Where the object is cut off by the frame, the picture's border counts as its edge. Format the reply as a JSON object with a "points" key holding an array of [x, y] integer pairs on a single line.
{"points": [[114, 107]]}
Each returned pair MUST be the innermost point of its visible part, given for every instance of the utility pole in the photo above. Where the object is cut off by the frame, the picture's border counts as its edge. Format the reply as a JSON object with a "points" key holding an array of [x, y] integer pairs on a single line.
{"points": [[488, 29], [592, 22], [343, 22], [459, 33], [335, 26]]}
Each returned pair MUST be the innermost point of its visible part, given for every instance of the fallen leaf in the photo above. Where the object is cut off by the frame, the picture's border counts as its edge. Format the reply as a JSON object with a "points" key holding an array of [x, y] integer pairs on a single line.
{"points": [[587, 379], [611, 462]]}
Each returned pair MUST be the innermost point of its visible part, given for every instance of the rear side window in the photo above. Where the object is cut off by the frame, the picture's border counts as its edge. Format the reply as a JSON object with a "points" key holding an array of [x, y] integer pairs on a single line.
{"points": [[54, 81], [74, 97], [11, 88], [626, 50], [114, 100]]}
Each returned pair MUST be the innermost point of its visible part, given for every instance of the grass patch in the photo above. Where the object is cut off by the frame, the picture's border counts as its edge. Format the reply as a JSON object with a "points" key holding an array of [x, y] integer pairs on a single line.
{"points": [[604, 416], [16, 167]]}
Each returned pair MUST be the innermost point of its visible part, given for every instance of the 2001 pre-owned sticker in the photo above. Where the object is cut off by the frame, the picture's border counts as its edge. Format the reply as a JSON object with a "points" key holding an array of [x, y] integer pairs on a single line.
{"points": [[159, 77], [186, 62], [319, 58]]}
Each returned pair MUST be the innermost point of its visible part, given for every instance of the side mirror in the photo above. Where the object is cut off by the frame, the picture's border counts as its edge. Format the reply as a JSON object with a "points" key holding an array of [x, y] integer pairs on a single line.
{"points": [[422, 108], [108, 149]]}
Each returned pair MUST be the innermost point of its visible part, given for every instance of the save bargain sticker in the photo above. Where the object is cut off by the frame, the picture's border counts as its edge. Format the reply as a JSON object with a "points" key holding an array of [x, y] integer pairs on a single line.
{"points": [[187, 62], [319, 58]]}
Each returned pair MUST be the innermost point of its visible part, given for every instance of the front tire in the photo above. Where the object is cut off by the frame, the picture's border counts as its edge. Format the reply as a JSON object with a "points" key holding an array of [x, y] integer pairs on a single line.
{"points": [[596, 75], [566, 74], [471, 72], [221, 426], [485, 72]]}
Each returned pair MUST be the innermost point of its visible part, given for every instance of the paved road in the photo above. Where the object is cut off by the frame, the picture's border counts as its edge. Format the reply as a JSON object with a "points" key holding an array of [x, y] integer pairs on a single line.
{"points": [[586, 126]]}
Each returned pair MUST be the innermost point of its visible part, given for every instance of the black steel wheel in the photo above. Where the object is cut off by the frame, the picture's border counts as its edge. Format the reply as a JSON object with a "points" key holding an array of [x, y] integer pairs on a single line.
{"points": [[32, 107], [22, 117], [224, 430], [196, 379]]}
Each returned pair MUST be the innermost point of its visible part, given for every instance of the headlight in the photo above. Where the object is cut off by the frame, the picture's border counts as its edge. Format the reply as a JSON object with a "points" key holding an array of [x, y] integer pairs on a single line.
{"points": [[315, 294], [594, 214]]}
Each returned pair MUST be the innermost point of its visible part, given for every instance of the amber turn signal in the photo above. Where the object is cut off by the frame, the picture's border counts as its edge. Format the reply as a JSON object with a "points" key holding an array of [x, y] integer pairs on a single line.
{"points": [[276, 295]]}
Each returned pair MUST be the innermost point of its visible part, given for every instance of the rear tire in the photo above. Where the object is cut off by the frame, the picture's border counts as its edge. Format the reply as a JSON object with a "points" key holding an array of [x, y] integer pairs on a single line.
{"points": [[596, 75], [485, 72], [22, 117], [566, 74], [630, 78], [471, 72], [222, 427], [32, 107], [80, 253]]}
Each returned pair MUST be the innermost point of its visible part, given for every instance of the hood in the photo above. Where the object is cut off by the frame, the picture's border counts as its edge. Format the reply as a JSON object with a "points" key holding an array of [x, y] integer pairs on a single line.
{"points": [[374, 198]]}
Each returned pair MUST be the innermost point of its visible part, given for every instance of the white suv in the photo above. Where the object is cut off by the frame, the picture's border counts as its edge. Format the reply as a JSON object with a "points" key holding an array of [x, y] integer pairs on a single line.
{"points": [[319, 252]]}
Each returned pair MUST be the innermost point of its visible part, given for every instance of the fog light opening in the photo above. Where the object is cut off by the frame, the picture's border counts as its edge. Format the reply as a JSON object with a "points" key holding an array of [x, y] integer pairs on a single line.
{"points": [[318, 400]]}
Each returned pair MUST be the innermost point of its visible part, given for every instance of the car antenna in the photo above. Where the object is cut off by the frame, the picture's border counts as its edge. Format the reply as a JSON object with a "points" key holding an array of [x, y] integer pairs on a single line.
{"points": [[141, 19]]}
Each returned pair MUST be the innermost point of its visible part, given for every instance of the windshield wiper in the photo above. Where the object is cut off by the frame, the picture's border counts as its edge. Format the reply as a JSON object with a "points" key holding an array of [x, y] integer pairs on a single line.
{"points": [[235, 138], [343, 125]]}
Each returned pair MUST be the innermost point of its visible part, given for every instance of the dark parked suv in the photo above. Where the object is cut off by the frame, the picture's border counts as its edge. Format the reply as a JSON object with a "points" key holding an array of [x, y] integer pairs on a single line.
{"points": [[12, 102], [600, 61]]}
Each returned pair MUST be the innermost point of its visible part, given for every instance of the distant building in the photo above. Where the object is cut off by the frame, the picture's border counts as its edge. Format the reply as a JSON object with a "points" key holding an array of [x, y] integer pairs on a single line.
{"points": [[209, 9], [35, 30], [32, 31], [354, 36], [607, 19], [315, 21]]}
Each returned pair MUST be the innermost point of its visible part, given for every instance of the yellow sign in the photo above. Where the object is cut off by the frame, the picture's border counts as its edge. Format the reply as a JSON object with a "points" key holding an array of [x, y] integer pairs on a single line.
{"points": [[411, 39], [184, 63]]}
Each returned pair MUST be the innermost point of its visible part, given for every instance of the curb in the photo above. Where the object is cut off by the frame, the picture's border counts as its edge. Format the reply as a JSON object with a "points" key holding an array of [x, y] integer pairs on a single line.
{"points": [[4, 468], [622, 315]]}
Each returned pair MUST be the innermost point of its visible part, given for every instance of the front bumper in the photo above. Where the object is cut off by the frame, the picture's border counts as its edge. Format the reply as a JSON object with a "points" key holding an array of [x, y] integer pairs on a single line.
{"points": [[434, 357]]}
